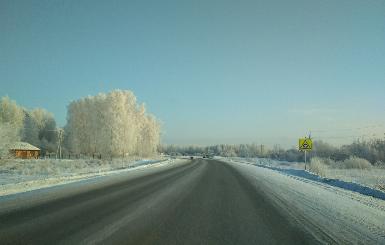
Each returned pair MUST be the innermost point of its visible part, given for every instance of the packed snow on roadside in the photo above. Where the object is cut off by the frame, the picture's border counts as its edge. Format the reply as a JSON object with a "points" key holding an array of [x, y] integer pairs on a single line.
{"points": [[17, 175], [339, 215], [366, 181]]}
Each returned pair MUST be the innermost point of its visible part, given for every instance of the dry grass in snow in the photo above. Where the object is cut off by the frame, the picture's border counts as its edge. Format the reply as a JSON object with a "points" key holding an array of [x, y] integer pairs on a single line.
{"points": [[317, 166]]}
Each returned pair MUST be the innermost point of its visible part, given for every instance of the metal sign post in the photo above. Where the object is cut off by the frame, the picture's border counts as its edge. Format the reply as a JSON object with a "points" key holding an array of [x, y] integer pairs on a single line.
{"points": [[305, 144], [305, 159]]}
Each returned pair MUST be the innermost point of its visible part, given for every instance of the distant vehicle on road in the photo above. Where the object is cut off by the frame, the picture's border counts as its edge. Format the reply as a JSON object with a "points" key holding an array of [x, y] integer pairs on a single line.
{"points": [[208, 156]]}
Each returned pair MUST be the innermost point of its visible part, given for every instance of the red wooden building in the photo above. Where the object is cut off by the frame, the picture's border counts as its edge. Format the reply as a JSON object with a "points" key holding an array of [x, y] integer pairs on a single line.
{"points": [[24, 150]]}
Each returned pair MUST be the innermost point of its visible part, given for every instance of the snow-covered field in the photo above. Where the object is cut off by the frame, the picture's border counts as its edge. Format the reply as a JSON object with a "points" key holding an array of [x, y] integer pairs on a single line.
{"points": [[17, 175], [373, 177], [340, 216]]}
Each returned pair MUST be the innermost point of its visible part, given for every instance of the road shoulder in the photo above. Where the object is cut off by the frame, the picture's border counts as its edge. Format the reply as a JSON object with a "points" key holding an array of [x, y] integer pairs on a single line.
{"points": [[331, 214]]}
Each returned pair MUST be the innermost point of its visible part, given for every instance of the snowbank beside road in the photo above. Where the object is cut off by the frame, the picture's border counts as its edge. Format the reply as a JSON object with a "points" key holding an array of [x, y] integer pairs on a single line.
{"points": [[340, 216], [25, 175], [372, 178]]}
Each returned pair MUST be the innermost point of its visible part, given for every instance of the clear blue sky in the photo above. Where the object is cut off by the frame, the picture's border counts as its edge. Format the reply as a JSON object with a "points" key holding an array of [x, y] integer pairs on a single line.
{"points": [[212, 71]]}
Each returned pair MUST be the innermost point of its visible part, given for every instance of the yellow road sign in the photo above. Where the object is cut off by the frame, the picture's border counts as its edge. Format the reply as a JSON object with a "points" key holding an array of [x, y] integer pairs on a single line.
{"points": [[305, 144]]}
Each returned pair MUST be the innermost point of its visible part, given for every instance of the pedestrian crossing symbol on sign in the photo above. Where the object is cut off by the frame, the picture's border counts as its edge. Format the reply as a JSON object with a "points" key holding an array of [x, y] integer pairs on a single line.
{"points": [[305, 144]]}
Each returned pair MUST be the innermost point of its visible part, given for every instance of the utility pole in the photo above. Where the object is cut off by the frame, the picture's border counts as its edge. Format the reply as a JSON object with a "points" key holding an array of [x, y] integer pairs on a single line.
{"points": [[112, 139], [60, 138]]}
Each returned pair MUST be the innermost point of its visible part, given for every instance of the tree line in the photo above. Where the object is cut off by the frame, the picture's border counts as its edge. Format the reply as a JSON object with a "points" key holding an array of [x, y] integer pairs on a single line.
{"points": [[115, 125], [371, 150], [111, 124], [36, 126]]}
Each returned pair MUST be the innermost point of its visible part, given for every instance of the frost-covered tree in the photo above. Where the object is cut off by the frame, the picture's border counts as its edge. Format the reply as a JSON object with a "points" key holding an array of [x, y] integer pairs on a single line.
{"points": [[148, 137], [37, 127], [11, 113], [40, 129], [11, 124], [8, 135], [111, 124]]}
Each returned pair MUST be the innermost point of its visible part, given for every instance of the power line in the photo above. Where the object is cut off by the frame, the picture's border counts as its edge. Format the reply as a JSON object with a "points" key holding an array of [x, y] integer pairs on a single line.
{"points": [[349, 129], [350, 136]]}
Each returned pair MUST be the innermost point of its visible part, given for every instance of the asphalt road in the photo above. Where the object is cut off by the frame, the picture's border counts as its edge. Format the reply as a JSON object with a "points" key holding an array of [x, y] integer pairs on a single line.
{"points": [[201, 202]]}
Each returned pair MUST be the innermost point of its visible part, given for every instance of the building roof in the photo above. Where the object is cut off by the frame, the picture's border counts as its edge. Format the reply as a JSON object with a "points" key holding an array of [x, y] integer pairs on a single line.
{"points": [[23, 146]]}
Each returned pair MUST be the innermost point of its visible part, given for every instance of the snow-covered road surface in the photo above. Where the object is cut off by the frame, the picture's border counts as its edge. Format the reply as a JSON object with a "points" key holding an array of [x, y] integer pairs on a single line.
{"points": [[333, 214]]}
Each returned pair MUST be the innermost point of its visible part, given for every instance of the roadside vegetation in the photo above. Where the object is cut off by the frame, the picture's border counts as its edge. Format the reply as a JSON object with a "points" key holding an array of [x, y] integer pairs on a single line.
{"points": [[353, 169], [361, 162], [44, 168], [111, 125], [318, 166], [359, 154], [36, 126]]}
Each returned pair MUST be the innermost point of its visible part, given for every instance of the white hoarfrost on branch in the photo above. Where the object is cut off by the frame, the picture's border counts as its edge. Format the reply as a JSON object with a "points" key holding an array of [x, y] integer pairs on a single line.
{"points": [[37, 126], [8, 135], [40, 129], [111, 124], [11, 124]]}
